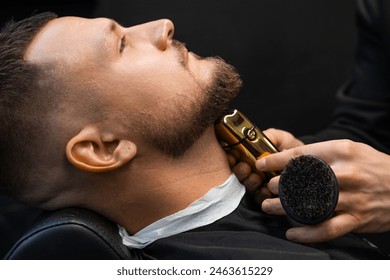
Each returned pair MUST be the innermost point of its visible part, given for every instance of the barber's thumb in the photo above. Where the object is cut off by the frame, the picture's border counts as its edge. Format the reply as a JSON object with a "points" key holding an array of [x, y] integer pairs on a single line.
{"points": [[261, 164], [265, 164], [272, 162]]}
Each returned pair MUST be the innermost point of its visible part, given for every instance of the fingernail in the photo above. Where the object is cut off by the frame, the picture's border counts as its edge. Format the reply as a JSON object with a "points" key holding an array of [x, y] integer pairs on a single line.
{"points": [[260, 164], [266, 206], [291, 235]]}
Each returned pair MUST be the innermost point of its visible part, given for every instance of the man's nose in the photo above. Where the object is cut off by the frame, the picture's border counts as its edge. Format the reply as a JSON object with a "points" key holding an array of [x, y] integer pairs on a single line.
{"points": [[163, 35], [159, 33]]}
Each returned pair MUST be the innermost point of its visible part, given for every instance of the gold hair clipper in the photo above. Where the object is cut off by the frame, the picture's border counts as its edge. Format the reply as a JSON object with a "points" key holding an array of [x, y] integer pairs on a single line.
{"points": [[240, 137]]}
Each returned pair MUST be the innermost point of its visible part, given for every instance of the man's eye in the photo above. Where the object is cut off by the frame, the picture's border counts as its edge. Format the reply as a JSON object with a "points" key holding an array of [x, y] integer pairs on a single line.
{"points": [[123, 44]]}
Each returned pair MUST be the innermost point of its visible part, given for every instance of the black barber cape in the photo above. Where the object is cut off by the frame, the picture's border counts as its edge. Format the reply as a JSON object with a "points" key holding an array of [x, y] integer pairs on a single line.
{"points": [[248, 233]]}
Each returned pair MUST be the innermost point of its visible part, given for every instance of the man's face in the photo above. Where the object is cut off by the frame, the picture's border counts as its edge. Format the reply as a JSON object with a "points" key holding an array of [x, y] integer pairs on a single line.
{"points": [[138, 78]]}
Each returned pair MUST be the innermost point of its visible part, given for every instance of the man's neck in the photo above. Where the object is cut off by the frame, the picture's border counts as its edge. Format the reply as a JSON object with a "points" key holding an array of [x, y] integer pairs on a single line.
{"points": [[160, 186]]}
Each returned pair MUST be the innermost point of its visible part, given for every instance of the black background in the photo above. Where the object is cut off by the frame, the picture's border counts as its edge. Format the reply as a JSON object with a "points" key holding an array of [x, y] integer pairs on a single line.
{"points": [[292, 54]]}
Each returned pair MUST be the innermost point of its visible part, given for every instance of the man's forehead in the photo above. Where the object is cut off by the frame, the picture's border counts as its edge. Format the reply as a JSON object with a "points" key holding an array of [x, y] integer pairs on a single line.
{"points": [[67, 37]]}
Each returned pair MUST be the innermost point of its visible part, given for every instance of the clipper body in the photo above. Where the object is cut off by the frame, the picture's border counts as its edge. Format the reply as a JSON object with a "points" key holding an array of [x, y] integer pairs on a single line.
{"points": [[237, 133]]}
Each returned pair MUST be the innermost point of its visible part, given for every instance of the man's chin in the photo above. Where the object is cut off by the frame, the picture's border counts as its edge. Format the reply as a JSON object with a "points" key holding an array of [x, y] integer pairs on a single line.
{"points": [[191, 119]]}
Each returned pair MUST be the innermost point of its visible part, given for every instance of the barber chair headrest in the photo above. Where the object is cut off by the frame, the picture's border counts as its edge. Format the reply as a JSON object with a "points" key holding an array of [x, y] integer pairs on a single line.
{"points": [[71, 234]]}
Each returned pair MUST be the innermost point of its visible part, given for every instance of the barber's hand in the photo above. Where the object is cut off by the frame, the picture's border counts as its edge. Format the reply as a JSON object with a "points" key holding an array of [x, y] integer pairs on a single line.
{"points": [[281, 139], [364, 182]]}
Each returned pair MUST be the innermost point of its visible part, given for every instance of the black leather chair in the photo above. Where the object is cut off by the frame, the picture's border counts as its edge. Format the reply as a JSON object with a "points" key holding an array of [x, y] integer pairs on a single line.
{"points": [[71, 234]]}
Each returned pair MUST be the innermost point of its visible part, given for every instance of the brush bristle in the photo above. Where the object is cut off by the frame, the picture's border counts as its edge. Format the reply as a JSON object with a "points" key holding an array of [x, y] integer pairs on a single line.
{"points": [[308, 189]]}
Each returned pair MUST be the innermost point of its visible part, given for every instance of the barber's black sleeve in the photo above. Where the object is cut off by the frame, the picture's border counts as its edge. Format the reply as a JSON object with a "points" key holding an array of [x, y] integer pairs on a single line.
{"points": [[362, 112]]}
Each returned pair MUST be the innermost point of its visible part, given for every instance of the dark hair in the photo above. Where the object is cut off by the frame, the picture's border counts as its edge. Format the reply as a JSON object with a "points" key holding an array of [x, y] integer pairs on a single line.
{"points": [[20, 110]]}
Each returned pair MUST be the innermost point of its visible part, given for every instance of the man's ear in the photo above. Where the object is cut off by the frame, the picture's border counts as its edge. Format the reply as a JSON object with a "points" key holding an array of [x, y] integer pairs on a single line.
{"points": [[95, 151]]}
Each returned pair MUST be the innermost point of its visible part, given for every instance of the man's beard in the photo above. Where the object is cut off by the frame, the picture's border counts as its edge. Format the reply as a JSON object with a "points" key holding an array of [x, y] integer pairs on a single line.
{"points": [[186, 118]]}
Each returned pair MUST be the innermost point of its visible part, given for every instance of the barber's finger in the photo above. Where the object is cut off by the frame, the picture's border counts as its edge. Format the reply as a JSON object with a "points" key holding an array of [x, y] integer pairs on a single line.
{"points": [[270, 133], [232, 160], [337, 226], [233, 157], [274, 162], [262, 194], [273, 185], [252, 182], [242, 170], [276, 137], [282, 139], [278, 161], [273, 206]]}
